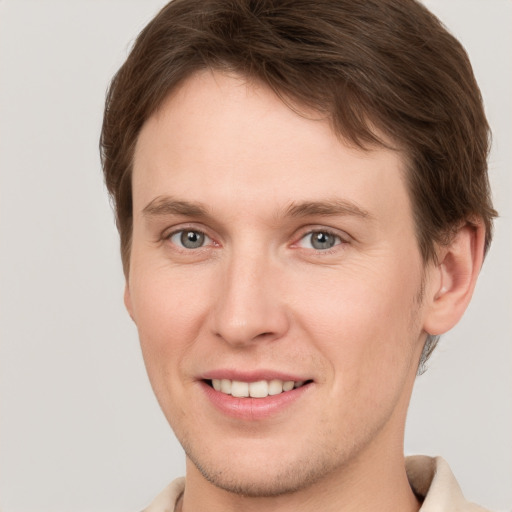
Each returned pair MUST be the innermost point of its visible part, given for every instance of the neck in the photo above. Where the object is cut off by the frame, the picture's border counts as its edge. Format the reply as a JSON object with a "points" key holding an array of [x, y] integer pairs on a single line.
{"points": [[378, 483]]}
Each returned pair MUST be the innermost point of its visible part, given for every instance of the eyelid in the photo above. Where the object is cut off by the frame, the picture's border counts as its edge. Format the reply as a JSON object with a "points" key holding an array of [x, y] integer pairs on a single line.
{"points": [[178, 234], [343, 237], [168, 233]]}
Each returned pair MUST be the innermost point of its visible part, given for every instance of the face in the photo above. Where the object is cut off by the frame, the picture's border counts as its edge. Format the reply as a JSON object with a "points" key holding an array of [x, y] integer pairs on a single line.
{"points": [[275, 283]]}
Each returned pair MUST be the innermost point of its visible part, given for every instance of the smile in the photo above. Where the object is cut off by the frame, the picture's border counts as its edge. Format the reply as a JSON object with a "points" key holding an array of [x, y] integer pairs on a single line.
{"points": [[255, 397], [258, 389]]}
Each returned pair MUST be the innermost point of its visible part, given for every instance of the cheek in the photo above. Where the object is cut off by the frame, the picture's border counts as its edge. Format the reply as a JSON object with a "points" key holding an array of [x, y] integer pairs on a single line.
{"points": [[360, 297], [169, 308], [365, 324]]}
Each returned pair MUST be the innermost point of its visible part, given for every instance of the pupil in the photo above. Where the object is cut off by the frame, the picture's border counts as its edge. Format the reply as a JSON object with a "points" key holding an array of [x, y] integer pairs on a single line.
{"points": [[192, 239], [322, 240]]}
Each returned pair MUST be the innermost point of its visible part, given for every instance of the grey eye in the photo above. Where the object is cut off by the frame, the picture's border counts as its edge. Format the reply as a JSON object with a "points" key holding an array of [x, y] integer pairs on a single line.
{"points": [[320, 240], [189, 239]]}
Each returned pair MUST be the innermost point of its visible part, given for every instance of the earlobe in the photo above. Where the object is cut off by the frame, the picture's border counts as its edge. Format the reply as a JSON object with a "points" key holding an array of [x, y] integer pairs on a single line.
{"points": [[453, 278], [128, 300]]}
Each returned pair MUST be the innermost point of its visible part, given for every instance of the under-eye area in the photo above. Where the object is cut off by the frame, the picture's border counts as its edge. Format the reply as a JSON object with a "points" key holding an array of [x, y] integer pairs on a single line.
{"points": [[258, 389]]}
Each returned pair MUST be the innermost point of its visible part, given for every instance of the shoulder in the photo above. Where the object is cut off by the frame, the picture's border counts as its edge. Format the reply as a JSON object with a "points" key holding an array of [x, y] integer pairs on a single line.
{"points": [[166, 500], [433, 481]]}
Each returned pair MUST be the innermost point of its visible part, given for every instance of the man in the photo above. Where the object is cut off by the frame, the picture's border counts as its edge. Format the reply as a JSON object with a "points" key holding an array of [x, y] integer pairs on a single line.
{"points": [[303, 204]]}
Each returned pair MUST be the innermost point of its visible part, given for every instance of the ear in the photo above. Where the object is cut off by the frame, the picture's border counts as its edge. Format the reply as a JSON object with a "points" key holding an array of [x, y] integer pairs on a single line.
{"points": [[128, 300], [453, 278]]}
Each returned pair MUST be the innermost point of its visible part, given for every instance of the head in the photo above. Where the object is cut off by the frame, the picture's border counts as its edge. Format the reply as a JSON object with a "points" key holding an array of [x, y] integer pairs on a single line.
{"points": [[384, 77], [369, 67]]}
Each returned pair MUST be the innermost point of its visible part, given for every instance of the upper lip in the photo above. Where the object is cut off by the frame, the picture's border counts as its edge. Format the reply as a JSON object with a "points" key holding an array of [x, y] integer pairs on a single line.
{"points": [[252, 375]]}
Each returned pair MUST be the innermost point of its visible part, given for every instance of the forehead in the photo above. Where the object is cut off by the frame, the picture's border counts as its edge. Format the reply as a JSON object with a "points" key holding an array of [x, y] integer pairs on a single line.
{"points": [[220, 133]]}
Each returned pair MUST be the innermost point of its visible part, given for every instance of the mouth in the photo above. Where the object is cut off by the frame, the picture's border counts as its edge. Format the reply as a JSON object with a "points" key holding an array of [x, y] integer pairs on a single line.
{"points": [[256, 389]]}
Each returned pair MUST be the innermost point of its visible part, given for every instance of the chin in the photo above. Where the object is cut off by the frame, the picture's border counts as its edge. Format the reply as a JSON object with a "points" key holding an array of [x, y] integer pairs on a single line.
{"points": [[266, 484], [262, 475]]}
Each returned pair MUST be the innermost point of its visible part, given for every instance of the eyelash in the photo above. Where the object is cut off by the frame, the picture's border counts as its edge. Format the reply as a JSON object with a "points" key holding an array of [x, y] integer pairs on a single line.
{"points": [[169, 237], [339, 240], [208, 241]]}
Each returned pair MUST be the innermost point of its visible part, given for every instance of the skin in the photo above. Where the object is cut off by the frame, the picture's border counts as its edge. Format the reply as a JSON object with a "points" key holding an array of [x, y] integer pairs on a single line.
{"points": [[352, 319]]}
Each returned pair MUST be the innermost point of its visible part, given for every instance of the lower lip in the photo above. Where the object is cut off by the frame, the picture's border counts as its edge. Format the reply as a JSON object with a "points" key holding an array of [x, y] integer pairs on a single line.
{"points": [[252, 409]]}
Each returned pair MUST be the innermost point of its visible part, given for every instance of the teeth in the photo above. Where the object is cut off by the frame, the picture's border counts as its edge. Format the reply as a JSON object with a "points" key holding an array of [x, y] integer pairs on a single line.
{"points": [[275, 387], [259, 389], [239, 389], [225, 386], [288, 385]]}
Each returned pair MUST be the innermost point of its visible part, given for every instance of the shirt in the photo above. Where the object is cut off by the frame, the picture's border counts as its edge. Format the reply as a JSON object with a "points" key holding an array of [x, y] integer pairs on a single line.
{"points": [[430, 478]]}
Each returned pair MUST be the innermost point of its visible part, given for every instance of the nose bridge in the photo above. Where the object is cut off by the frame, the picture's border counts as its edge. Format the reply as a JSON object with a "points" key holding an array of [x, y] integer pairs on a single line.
{"points": [[248, 305]]}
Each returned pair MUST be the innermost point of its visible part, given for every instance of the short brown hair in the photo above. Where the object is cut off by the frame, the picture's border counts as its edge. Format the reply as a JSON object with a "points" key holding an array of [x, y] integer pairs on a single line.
{"points": [[370, 66]]}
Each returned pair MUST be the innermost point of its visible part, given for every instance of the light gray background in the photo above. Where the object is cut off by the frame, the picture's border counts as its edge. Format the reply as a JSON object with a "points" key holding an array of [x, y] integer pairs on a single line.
{"points": [[79, 427]]}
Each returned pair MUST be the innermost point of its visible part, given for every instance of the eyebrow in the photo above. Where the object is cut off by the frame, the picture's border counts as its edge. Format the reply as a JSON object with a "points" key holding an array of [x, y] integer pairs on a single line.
{"points": [[166, 205], [329, 208]]}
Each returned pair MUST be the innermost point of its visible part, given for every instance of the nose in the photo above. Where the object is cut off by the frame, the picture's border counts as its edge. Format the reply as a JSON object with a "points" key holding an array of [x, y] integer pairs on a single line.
{"points": [[250, 305]]}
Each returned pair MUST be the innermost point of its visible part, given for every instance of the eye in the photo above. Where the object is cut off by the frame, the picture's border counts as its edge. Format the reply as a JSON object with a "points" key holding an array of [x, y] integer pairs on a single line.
{"points": [[319, 240], [189, 239]]}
